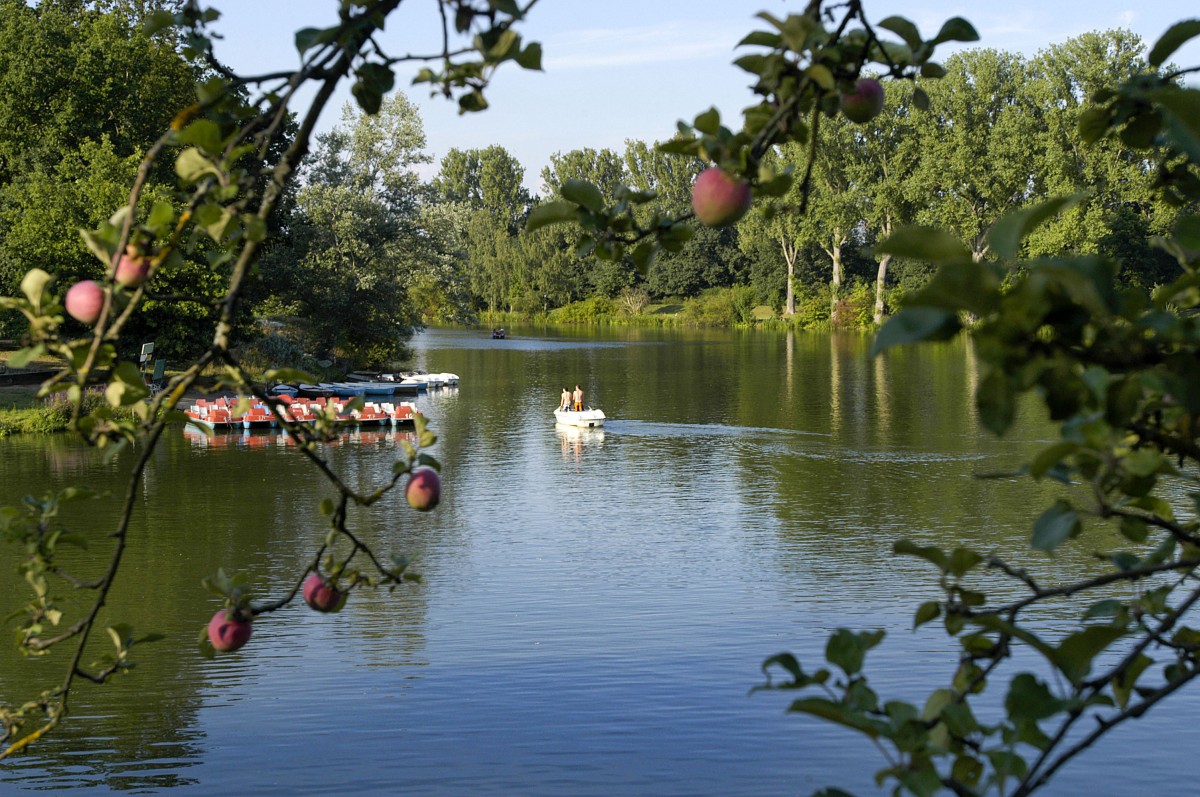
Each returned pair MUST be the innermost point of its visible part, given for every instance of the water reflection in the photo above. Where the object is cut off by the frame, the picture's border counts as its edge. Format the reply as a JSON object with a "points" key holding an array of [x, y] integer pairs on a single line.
{"points": [[575, 440], [595, 603], [264, 438]]}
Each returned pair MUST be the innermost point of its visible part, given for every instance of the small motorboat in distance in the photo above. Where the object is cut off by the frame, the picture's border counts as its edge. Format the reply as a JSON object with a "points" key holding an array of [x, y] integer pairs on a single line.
{"points": [[587, 418], [344, 388], [314, 391]]}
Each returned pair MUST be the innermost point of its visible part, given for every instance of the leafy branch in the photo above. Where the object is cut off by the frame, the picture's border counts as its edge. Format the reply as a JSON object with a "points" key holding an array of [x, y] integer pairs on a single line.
{"points": [[230, 184]]}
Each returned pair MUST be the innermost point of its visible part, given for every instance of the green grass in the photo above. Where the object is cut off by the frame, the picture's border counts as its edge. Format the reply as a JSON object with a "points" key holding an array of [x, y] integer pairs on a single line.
{"points": [[21, 412]]}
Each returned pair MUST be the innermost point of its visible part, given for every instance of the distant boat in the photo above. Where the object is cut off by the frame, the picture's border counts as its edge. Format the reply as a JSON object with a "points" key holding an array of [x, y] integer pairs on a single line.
{"points": [[314, 391], [284, 390], [344, 388], [498, 334], [375, 388], [438, 379], [585, 419]]}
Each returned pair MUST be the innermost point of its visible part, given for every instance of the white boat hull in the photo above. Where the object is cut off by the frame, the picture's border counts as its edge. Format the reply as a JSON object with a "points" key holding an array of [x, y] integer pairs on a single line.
{"points": [[585, 419]]}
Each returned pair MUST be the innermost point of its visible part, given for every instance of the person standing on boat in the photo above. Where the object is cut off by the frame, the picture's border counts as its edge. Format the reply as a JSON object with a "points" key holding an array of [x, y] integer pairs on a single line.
{"points": [[565, 402], [578, 399]]}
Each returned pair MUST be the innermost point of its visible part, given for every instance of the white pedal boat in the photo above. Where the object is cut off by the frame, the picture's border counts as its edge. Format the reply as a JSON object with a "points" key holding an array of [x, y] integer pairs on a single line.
{"points": [[585, 419]]}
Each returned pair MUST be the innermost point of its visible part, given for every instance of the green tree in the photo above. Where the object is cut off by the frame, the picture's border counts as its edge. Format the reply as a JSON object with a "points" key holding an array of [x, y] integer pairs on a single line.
{"points": [[488, 179], [834, 203], [555, 277], [357, 239], [604, 169], [888, 154], [767, 234], [85, 90], [487, 183], [977, 162], [1120, 212], [711, 258], [440, 289]]}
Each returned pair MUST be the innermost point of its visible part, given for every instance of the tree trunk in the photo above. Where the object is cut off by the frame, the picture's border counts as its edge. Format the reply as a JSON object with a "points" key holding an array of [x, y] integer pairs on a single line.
{"points": [[885, 232], [789, 255], [880, 281], [835, 284]]}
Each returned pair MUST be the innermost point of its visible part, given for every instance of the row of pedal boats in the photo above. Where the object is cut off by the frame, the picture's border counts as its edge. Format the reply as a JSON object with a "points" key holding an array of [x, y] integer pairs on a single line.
{"points": [[223, 413], [369, 385]]}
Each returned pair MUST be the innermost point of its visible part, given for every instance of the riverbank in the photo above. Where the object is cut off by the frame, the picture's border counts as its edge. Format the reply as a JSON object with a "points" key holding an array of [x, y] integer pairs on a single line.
{"points": [[738, 307]]}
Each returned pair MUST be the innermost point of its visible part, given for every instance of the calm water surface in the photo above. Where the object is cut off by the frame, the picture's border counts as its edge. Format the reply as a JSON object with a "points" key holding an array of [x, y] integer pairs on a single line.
{"points": [[595, 604]]}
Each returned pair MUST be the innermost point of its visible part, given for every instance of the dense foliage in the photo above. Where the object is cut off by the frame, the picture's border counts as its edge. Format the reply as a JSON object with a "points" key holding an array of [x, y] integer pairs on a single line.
{"points": [[234, 145], [457, 250]]}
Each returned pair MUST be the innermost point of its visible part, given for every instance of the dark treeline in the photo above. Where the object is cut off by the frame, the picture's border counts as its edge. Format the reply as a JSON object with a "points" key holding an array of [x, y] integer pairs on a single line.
{"points": [[365, 250]]}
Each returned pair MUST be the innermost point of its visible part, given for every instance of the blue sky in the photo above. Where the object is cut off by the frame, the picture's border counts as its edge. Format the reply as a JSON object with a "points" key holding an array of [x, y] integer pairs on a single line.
{"points": [[618, 69]]}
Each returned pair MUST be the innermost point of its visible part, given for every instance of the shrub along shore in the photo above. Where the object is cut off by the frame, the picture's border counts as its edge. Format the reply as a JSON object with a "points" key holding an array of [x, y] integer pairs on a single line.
{"points": [[717, 307]]}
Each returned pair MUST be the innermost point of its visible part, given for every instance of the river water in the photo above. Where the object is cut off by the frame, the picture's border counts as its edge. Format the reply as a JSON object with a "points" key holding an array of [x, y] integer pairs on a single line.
{"points": [[595, 604]]}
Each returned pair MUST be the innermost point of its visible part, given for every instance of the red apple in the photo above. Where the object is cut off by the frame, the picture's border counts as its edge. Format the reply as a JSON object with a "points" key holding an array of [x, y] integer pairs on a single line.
{"points": [[720, 199], [85, 300], [321, 595], [424, 489], [228, 632], [132, 270], [866, 101]]}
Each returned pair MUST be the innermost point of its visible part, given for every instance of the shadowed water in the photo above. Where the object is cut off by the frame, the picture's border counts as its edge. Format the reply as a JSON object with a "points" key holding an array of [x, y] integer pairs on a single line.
{"points": [[595, 603]]}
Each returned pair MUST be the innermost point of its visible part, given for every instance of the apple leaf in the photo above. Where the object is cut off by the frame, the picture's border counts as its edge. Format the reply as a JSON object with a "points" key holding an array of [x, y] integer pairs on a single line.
{"points": [[126, 386], [97, 246], [33, 285], [913, 324], [1182, 111], [821, 75], [848, 649], [760, 38], [551, 213], [191, 165], [904, 29], [833, 712], [472, 102], [708, 122], [923, 243], [22, 357], [1056, 525], [965, 285], [1005, 236], [308, 37], [930, 610], [531, 57], [996, 402], [1075, 654], [1187, 231], [584, 194], [1172, 40], [203, 133], [956, 29]]}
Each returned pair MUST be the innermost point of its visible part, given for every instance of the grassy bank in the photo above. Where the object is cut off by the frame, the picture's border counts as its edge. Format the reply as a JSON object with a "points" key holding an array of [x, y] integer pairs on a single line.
{"points": [[735, 307], [22, 412]]}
